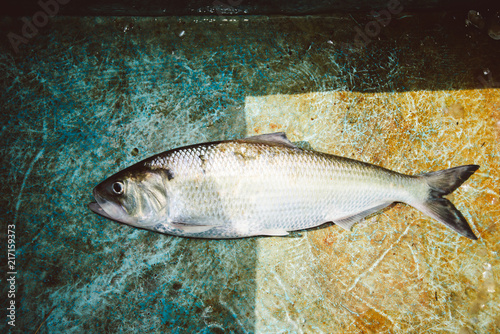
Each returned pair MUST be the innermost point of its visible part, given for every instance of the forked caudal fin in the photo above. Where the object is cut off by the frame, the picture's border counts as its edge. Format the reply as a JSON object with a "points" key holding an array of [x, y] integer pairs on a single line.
{"points": [[443, 183]]}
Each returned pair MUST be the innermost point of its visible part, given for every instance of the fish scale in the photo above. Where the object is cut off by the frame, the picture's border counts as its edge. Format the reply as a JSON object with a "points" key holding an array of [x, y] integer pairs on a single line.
{"points": [[265, 185]]}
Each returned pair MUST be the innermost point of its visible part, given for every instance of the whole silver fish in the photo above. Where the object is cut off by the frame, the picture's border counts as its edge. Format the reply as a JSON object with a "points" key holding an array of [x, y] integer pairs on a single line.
{"points": [[265, 185]]}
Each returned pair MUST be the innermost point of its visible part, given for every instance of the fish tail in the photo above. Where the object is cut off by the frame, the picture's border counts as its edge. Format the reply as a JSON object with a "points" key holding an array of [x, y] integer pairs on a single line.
{"points": [[442, 183]]}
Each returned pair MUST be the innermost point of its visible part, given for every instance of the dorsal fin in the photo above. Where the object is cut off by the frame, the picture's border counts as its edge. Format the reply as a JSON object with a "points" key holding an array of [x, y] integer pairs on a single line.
{"points": [[277, 138]]}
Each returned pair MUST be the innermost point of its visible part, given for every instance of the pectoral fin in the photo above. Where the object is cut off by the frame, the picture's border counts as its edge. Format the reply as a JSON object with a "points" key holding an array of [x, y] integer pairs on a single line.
{"points": [[198, 225], [188, 228]]}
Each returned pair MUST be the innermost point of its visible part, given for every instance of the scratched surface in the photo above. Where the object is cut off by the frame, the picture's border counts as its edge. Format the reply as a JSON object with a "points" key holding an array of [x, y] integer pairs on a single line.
{"points": [[398, 271], [89, 96]]}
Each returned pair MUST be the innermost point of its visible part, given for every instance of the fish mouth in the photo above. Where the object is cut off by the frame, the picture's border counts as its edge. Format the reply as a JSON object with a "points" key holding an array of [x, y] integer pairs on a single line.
{"points": [[109, 209], [96, 208]]}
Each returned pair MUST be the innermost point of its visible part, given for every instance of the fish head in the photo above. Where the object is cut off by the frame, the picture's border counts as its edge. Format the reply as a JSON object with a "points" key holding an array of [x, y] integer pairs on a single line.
{"points": [[134, 196]]}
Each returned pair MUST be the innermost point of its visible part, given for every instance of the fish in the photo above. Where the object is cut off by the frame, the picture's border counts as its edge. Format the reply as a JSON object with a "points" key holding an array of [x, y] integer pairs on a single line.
{"points": [[265, 185]]}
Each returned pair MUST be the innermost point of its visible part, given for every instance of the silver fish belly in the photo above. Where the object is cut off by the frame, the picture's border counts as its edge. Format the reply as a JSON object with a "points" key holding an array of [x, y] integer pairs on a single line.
{"points": [[265, 185]]}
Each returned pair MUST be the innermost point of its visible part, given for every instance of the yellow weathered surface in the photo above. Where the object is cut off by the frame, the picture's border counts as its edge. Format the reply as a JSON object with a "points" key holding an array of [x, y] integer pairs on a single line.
{"points": [[399, 271]]}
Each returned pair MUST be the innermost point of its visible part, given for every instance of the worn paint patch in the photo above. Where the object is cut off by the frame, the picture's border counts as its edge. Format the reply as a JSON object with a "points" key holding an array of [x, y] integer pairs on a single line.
{"points": [[398, 271]]}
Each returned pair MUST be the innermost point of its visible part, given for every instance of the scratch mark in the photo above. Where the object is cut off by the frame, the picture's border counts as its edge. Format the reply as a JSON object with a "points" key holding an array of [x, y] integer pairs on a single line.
{"points": [[28, 172], [378, 261], [233, 313], [415, 260], [376, 309], [352, 312], [44, 319]]}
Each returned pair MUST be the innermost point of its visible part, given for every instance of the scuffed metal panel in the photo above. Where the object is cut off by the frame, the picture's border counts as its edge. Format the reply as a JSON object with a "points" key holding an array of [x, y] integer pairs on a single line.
{"points": [[85, 97]]}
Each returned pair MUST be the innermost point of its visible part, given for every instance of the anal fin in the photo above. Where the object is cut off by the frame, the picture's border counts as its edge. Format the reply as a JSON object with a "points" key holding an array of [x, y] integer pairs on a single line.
{"points": [[347, 222]]}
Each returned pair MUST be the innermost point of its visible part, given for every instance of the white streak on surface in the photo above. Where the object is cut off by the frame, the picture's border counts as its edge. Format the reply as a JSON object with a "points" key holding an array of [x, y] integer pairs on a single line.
{"points": [[375, 264], [26, 175]]}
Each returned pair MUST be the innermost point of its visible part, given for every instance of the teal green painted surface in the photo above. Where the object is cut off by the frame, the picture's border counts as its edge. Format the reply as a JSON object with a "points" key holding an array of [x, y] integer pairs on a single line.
{"points": [[89, 96]]}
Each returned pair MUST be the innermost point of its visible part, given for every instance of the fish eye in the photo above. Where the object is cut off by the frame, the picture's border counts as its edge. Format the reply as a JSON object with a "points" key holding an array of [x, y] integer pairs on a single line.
{"points": [[117, 188]]}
